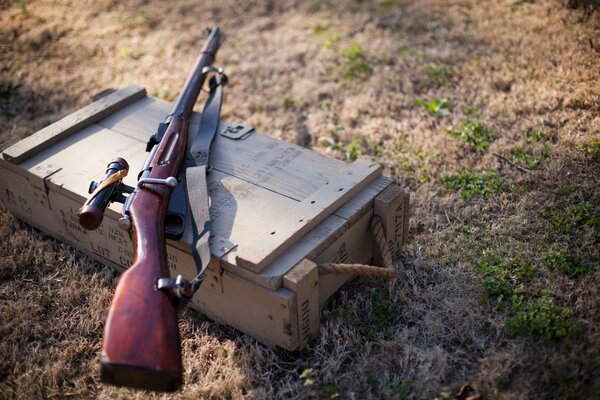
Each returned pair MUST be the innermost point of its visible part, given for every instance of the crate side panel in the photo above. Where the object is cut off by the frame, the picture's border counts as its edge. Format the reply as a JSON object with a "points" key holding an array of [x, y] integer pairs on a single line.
{"points": [[265, 315], [355, 247], [26, 197], [303, 280]]}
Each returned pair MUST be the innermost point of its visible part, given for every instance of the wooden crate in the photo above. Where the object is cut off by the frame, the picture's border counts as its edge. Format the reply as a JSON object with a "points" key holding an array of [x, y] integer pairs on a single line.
{"points": [[278, 210]]}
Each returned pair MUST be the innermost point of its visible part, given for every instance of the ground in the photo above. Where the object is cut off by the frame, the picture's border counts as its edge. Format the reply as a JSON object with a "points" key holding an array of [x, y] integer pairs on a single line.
{"points": [[488, 111]]}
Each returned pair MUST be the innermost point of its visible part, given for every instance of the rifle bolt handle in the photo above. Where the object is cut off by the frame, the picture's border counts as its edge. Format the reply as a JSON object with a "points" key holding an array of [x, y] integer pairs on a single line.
{"points": [[170, 182], [125, 223]]}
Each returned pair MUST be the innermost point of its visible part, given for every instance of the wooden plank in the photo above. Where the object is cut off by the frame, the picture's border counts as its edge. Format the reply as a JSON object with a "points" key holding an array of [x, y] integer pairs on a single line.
{"points": [[356, 207], [73, 123], [271, 276], [278, 166], [389, 206], [303, 280], [306, 215], [138, 120], [99, 146]]}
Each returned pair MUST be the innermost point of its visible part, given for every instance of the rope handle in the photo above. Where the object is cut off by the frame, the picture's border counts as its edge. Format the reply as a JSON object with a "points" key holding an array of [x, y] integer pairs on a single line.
{"points": [[387, 271]]}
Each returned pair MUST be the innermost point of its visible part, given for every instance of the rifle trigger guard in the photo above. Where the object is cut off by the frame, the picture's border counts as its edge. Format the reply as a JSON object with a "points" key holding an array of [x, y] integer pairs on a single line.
{"points": [[182, 289]]}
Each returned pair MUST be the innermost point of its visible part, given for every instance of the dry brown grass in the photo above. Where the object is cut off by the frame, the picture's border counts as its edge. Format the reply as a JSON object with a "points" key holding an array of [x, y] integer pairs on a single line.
{"points": [[524, 66]]}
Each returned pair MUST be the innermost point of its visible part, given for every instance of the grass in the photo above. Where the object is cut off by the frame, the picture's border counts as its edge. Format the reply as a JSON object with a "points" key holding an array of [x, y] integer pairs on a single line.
{"points": [[8, 90], [354, 62], [439, 75], [438, 107], [571, 266], [507, 285], [523, 157], [542, 318], [590, 149], [350, 151], [573, 218], [129, 52], [473, 184], [474, 133]]}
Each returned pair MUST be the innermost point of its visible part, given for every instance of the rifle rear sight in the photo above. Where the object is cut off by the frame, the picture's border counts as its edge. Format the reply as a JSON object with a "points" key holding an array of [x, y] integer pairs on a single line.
{"points": [[109, 189]]}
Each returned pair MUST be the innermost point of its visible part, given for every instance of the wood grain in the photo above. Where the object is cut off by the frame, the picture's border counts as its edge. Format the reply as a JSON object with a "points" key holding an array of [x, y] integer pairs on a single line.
{"points": [[73, 123]]}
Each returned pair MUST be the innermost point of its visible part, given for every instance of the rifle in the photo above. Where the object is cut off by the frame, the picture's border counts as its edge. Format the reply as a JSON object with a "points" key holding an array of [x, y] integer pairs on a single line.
{"points": [[141, 346]]}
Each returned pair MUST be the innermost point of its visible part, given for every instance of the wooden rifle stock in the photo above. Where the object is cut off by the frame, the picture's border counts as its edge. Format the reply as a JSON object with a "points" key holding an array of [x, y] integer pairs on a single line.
{"points": [[141, 347]]}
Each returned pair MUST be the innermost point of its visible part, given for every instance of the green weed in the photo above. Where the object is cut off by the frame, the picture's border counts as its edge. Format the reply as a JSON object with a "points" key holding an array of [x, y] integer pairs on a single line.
{"points": [[498, 291], [320, 29], [128, 52], [387, 4], [438, 107], [541, 318], [474, 133], [571, 266], [356, 63], [471, 111], [535, 136], [409, 160], [416, 54], [472, 184], [290, 103], [307, 377], [405, 389], [503, 277], [513, 269], [350, 151], [521, 156], [573, 218], [590, 149], [501, 383], [23, 7], [439, 75], [382, 314], [333, 41], [330, 392]]}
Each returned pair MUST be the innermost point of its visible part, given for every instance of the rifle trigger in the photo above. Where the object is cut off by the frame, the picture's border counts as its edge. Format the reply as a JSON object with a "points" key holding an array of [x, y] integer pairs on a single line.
{"points": [[179, 287]]}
